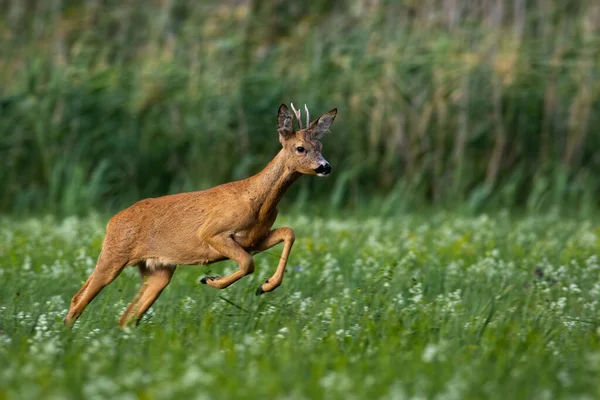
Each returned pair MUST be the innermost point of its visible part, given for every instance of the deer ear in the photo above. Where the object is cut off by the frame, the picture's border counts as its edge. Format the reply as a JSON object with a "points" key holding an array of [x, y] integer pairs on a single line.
{"points": [[284, 122], [321, 125]]}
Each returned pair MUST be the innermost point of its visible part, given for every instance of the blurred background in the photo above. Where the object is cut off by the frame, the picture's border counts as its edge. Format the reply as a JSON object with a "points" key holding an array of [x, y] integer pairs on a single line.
{"points": [[451, 103]]}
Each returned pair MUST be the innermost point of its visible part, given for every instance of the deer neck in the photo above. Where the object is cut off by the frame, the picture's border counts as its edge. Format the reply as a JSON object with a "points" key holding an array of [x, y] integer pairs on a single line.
{"points": [[270, 184]]}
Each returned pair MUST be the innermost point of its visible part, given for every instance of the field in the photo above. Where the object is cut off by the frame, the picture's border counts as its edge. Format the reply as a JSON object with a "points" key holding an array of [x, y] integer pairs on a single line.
{"points": [[440, 306]]}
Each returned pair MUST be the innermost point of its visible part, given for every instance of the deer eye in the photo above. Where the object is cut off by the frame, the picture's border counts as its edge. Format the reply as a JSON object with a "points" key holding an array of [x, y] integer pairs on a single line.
{"points": [[300, 149]]}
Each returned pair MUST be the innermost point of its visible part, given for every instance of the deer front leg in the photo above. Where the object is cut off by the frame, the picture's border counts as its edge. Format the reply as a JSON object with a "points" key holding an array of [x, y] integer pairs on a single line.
{"points": [[275, 237], [229, 248]]}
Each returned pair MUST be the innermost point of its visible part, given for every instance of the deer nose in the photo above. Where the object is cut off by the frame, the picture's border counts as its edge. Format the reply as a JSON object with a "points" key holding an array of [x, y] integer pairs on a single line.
{"points": [[324, 169]]}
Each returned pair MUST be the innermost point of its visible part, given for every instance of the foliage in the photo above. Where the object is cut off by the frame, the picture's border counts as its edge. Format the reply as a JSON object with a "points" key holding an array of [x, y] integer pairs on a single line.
{"points": [[452, 101]]}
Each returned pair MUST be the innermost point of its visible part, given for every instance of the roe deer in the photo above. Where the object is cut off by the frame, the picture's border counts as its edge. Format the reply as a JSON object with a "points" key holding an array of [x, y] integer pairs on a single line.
{"points": [[229, 221]]}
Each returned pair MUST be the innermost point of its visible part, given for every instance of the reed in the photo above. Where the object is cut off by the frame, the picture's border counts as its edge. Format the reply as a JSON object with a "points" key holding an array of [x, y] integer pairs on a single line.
{"points": [[473, 102]]}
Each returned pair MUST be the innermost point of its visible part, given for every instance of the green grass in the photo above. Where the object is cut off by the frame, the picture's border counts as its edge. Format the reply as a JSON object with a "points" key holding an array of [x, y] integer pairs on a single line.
{"points": [[482, 102], [440, 306]]}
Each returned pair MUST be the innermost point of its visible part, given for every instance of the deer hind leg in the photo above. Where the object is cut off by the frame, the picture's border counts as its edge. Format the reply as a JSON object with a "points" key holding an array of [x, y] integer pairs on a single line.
{"points": [[107, 269], [229, 248], [276, 236], [154, 280], [77, 296]]}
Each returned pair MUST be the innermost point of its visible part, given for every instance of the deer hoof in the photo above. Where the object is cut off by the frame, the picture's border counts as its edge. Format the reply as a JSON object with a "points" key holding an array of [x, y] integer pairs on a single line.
{"points": [[208, 278], [260, 290]]}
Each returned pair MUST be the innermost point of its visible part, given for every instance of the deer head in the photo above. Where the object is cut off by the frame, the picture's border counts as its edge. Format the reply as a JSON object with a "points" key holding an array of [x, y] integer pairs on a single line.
{"points": [[302, 148]]}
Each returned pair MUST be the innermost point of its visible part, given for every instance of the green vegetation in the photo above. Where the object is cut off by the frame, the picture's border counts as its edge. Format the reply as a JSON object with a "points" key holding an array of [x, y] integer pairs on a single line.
{"points": [[473, 106], [480, 103], [442, 307]]}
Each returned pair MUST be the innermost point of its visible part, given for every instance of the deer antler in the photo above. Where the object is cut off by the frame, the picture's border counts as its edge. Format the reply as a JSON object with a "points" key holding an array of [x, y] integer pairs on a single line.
{"points": [[307, 116], [297, 112]]}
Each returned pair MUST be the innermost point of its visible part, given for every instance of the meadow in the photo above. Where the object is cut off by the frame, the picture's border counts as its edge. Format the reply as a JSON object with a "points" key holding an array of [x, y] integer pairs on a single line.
{"points": [[440, 306], [475, 106]]}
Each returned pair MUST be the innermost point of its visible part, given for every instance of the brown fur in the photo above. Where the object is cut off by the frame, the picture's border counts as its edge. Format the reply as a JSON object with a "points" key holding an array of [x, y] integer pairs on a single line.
{"points": [[229, 221]]}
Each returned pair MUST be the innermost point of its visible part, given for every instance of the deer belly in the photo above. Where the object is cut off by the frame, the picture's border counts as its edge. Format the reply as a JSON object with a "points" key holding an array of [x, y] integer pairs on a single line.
{"points": [[184, 253]]}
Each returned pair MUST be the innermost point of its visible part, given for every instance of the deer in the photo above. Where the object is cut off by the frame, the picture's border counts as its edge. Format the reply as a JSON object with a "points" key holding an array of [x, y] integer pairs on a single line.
{"points": [[231, 221]]}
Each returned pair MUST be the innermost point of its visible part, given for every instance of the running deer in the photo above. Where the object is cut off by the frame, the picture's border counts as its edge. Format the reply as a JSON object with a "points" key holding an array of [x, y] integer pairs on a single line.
{"points": [[229, 221]]}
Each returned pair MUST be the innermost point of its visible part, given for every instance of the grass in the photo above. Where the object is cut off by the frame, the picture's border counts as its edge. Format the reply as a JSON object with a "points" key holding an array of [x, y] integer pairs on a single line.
{"points": [[477, 101], [443, 307]]}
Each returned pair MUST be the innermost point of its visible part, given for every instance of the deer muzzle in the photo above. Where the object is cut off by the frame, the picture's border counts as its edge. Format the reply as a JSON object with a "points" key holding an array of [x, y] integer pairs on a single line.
{"points": [[323, 169]]}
